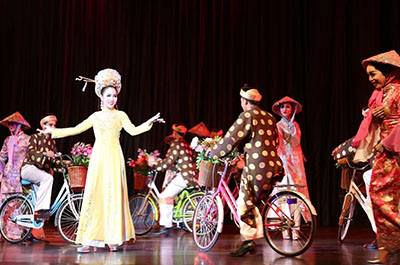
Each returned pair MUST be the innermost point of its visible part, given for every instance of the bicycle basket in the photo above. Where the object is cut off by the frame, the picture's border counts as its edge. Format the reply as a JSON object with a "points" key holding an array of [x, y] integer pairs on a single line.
{"points": [[208, 176], [141, 181], [77, 176]]}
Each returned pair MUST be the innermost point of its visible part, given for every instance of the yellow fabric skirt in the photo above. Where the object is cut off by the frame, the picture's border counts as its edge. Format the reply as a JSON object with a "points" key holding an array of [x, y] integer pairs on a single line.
{"points": [[105, 217]]}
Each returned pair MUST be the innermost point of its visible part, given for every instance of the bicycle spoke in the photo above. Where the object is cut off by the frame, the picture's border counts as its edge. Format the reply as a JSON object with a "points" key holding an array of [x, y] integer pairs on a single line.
{"points": [[12, 207], [67, 220], [290, 230]]}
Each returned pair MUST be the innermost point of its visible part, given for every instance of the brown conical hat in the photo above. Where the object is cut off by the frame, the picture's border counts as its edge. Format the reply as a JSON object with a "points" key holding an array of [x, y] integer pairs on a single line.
{"points": [[17, 118], [390, 57], [275, 107], [200, 130], [216, 133], [179, 128]]}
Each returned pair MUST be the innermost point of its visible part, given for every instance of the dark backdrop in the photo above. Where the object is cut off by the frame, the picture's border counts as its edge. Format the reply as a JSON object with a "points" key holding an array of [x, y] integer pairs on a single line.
{"points": [[187, 59]]}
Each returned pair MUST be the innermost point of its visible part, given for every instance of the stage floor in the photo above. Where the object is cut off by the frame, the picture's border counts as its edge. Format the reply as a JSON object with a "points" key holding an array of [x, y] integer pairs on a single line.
{"points": [[179, 248]]}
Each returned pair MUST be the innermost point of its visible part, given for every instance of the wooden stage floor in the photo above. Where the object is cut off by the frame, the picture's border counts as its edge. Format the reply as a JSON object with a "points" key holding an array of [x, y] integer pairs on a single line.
{"points": [[179, 248]]}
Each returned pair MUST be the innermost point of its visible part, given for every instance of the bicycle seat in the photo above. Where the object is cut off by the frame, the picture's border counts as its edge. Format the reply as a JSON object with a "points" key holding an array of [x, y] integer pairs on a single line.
{"points": [[357, 166], [26, 182], [190, 188]]}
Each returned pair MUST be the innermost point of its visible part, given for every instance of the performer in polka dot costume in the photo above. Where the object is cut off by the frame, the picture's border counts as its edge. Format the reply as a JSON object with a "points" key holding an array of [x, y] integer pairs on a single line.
{"points": [[263, 166], [179, 158], [39, 163]]}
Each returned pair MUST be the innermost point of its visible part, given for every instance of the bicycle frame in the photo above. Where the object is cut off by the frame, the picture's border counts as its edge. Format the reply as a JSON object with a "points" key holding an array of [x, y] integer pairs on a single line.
{"points": [[178, 207], [153, 194], [64, 194], [228, 197], [355, 192]]}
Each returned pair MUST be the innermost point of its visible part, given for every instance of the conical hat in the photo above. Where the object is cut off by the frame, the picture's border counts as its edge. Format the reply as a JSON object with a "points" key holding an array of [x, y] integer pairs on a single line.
{"points": [[179, 128], [390, 57], [17, 118], [200, 130], [275, 107], [216, 133]]}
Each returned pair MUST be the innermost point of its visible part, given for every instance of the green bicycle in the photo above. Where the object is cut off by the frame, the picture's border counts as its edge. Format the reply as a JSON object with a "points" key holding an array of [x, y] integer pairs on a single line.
{"points": [[145, 213]]}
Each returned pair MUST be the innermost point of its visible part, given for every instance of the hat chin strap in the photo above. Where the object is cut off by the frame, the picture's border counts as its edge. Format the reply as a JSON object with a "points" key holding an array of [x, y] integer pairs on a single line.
{"points": [[294, 114], [290, 122]]}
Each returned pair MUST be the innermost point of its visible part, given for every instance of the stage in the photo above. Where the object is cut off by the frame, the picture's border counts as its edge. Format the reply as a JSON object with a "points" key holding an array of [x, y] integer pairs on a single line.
{"points": [[179, 248]]}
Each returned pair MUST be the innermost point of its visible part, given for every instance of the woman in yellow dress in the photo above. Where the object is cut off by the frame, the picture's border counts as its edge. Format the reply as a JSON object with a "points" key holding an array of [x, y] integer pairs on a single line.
{"points": [[105, 217]]}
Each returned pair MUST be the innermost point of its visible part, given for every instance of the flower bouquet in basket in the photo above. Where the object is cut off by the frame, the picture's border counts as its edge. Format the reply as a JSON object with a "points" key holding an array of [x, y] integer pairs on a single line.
{"points": [[200, 146], [80, 158], [142, 167], [208, 167]]}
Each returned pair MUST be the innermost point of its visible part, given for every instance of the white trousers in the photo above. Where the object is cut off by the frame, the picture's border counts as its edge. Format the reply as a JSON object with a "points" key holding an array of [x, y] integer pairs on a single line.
{"points": [[368, 203], [42, 184], [166, 199]]}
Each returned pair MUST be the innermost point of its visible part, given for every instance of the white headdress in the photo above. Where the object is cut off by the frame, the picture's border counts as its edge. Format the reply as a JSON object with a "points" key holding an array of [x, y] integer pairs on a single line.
{"points": [[104, 78]]}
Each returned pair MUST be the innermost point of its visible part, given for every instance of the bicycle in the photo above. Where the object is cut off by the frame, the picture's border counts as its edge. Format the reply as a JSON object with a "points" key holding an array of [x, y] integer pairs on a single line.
{"points": [[17, 212], [209, 218], [145, 213], [352, 196]]}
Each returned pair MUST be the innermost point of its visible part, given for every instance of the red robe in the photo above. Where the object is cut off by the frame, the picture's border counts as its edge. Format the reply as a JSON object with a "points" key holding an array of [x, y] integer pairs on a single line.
{"points": [[385, 179]]}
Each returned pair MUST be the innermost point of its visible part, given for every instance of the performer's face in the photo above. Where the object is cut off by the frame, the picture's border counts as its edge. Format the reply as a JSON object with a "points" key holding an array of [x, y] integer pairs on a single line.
{"points": [[51, 124], [109, 97], [286, 110], [14, 127], [376, 77]]}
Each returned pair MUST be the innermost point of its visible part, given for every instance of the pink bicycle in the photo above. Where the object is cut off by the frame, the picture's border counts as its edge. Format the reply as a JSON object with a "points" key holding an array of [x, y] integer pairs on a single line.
{"points": [[284, 211]]}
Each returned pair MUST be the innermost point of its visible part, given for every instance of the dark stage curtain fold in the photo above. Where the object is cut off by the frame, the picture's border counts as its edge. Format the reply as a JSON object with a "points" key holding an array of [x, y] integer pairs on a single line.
{"points": [[187, 59]]}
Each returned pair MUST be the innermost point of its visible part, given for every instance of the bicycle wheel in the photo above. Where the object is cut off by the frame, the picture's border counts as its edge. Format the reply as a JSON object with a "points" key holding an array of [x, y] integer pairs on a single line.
{"points": [[206, 218], [67, 218], [13, 206], [188, 209], [346, 216], [287, 213], [144, 214]]}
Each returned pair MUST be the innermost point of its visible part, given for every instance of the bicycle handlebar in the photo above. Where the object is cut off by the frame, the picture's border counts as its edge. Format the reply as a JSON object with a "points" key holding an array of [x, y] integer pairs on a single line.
{"points": [[228, 159]]}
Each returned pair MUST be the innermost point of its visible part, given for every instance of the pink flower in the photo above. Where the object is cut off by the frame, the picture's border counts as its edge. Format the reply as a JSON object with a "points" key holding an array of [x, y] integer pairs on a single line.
{"points": [[80, 154]]}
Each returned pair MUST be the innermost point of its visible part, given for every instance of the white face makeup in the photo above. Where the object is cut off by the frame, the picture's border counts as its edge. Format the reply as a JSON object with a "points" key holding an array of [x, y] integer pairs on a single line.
{"points": [[286, 110]]}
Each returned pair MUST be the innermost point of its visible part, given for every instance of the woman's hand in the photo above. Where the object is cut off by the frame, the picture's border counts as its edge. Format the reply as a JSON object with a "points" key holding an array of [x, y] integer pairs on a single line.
{"points": [[378, 112], [47, 130], [155, 118], [379, 147], [364, 112]]}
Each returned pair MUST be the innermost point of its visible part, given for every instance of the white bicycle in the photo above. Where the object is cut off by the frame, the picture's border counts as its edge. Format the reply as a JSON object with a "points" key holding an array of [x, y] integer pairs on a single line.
{"points": [[353, 195]]}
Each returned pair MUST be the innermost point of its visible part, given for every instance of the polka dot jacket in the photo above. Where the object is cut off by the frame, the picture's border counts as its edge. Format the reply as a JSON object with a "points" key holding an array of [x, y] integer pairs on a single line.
{"points": [[39, 144], [258, 128], [179, 157]]}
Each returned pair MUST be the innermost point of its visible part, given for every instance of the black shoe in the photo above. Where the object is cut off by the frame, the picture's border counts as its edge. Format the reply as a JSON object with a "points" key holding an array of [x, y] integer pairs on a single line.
{"points": [[163, 231], [247, 246], [42, 214], [372, 245], [33, 239]]}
